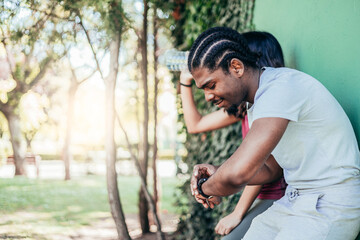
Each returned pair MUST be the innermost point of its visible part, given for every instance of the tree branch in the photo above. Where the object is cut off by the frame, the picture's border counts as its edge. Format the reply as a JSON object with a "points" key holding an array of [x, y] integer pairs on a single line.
{"points": [[41, 74], [142, 178], [89, 76], [73, 70], [51, 14], [91, 46], [11, 66], [27, 60]]}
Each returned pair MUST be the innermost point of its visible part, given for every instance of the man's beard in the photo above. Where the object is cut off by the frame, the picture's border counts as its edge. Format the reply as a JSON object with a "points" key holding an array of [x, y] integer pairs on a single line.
{"points": [[233, 110], [237, 110]]}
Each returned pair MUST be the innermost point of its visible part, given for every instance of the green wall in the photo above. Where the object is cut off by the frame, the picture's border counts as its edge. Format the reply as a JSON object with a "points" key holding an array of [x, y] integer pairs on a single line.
{"points": [[321, 38]]}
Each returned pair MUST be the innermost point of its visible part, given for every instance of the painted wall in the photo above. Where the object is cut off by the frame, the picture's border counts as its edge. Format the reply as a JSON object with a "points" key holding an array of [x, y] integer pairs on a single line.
{"points": [[321, 38]]}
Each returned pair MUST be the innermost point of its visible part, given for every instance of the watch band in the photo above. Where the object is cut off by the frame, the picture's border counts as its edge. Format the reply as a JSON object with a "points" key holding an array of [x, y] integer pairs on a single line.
{"points": [[199, 184]]}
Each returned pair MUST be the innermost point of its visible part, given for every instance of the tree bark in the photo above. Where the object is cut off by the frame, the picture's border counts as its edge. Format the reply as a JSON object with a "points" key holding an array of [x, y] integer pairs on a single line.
{"points": [[17, 142], [143, 206], [67, 156], [149, 198], [110, 147], [156, 83]]}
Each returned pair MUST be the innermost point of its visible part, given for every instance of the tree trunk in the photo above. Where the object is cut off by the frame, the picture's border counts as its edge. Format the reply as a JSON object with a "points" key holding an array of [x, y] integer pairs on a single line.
{"points": [[67, 156], [138, 120], [156, 83], [17, 142], [143, 206], [149, 198], [110, 147]]}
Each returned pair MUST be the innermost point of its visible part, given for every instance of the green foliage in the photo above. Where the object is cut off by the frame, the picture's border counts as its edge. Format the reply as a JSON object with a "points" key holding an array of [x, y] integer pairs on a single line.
{"points": [[113, 17], [213, 147], [196, 16], [30, 37]]}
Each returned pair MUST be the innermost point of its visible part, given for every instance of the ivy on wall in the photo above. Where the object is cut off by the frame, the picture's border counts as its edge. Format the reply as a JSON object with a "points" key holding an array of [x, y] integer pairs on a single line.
{"points": [[191, 19]]}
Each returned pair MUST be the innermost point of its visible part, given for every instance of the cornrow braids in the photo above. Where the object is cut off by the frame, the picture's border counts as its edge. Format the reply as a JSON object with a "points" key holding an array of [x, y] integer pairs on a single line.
{"points": [[216, 47], [199, 39], [223, 60]]}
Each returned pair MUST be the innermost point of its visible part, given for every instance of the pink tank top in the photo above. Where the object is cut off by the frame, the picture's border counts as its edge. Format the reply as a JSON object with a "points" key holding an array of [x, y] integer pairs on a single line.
{"points": [[273, 190]]}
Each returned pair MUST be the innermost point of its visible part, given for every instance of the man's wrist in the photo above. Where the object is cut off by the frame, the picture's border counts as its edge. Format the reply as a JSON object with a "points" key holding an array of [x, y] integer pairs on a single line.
{"points": [[200, 183]]}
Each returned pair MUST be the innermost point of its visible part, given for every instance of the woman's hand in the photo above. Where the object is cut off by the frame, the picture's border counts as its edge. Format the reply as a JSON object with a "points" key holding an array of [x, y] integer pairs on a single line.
{"points": [[228, 223]]}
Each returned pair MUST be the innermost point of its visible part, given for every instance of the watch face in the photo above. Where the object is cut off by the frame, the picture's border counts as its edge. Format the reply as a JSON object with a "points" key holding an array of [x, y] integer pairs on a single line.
{"points": [[200, 182]]}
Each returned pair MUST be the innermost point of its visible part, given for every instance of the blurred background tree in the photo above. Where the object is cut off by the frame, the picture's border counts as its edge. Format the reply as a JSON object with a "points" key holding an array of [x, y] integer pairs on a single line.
{"points": [[44, 32], [29, 42]]}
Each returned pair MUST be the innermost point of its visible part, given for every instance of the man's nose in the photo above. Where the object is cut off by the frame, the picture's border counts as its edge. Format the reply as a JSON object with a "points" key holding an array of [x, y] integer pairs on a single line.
{"points": [[209, 96]]}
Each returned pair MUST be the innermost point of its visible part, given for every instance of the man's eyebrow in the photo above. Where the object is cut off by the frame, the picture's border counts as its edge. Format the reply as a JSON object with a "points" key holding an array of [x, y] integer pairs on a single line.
{"points": [[205, 84]]}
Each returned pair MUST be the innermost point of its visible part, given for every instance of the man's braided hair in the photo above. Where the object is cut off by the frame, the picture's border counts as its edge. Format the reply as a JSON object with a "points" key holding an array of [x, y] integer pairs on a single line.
{"points": [[216, 47]]}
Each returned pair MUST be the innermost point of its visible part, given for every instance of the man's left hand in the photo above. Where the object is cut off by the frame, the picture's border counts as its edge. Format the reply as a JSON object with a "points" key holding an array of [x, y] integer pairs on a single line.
{"points": [[210, 202]]}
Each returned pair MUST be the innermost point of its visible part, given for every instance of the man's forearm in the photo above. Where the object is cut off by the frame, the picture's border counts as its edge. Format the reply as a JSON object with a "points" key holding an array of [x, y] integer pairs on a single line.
{"points": [[246, 165], [270, 172], [222, 182], [217, 186]]}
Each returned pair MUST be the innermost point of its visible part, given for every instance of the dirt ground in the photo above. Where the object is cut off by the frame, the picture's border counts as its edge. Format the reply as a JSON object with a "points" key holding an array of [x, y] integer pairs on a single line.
{"points": [[105, 229], [30, 227]]}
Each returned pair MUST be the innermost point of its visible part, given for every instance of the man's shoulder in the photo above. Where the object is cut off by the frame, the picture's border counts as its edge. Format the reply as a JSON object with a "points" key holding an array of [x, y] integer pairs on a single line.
{"points": [[287, 78], [286, 82], [283, 73]]}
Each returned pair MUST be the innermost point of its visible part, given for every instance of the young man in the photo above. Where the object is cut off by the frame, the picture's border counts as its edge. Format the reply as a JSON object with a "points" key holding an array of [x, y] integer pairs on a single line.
{"points": [[254, 199], [297, 120]]}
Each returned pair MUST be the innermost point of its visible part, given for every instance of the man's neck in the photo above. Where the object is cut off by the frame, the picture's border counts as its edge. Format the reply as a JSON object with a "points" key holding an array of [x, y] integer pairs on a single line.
{"points": [[253, 79]]}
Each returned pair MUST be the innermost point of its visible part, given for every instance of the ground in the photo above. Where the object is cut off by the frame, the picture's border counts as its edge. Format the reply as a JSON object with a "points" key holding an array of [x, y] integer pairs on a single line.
{"points": [[103, 229], [49, 208]]}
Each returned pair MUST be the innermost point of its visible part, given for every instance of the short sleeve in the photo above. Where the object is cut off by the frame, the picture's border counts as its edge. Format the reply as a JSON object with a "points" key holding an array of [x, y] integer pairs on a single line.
{"points": [[280, 98]]}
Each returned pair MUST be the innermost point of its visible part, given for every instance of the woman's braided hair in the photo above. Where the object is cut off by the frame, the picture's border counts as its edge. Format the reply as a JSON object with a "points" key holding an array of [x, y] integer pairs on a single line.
{"points": [[216, 47]]}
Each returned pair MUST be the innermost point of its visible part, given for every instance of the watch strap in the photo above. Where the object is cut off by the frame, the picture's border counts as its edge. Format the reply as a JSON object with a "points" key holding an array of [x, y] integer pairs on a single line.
{"points": [[199, 185]]}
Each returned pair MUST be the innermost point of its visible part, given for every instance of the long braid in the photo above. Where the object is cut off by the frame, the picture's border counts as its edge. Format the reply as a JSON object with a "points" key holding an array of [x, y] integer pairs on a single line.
{"points": [[215, 47]]}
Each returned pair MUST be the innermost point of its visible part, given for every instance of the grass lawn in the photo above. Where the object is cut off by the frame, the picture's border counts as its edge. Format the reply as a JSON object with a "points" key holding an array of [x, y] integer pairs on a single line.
{"points": [[63, 205]]}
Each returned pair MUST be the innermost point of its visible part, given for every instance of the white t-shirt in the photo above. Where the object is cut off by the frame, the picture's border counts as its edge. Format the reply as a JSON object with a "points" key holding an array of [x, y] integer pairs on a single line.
{"points": [[319, 147]]}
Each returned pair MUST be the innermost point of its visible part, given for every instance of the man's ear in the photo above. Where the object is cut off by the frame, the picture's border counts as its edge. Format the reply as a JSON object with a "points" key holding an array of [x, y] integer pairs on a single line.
{"points": [[237, 67]]}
